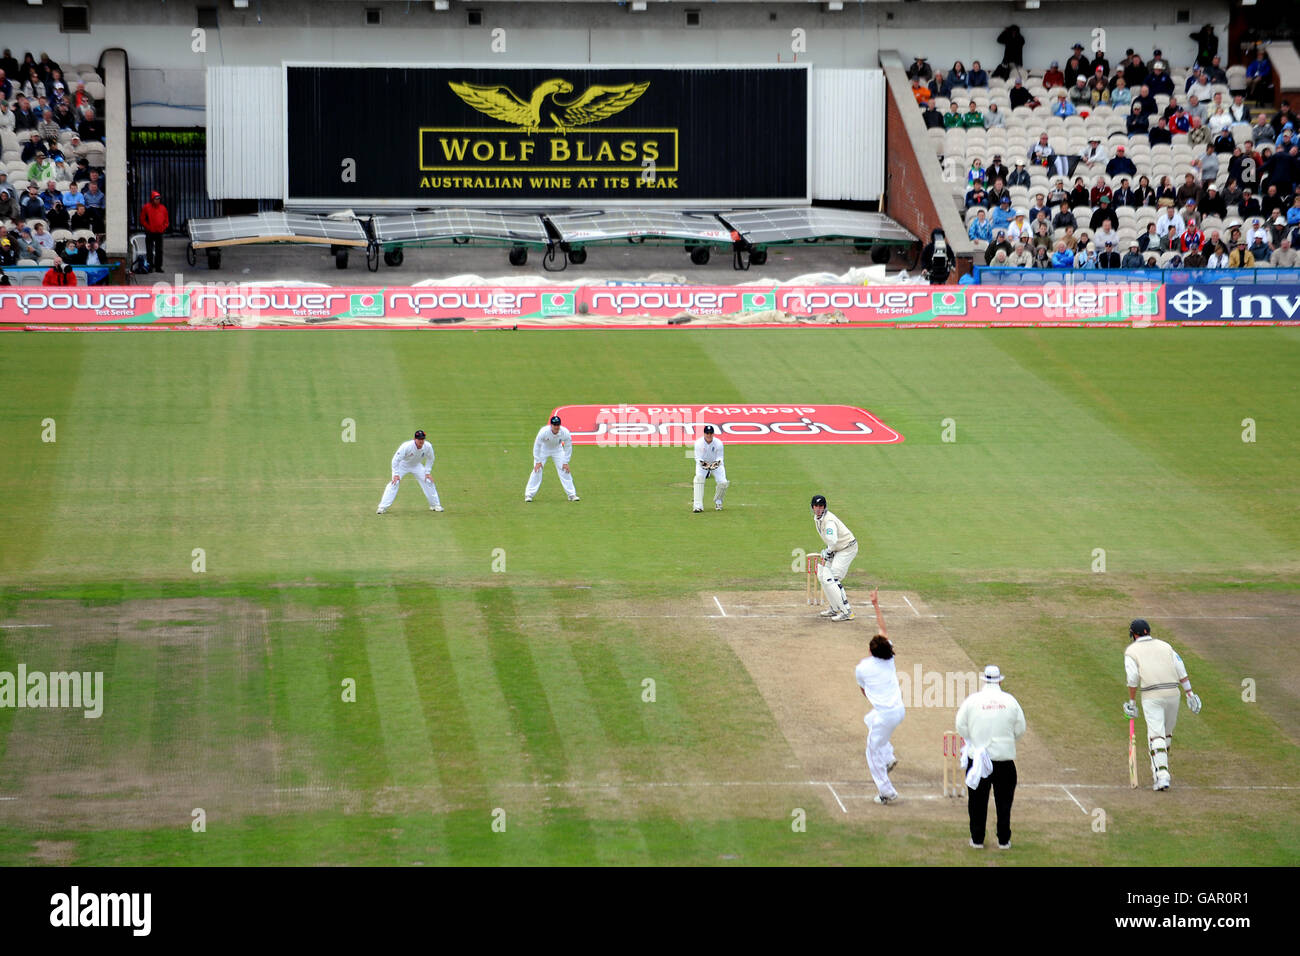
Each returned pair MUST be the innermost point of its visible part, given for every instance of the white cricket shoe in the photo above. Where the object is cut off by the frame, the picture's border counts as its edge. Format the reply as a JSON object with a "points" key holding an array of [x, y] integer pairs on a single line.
{"points": [[574, 498], [527, 498], [886, 801], [976, 846], [1162, 780], [381, 511], [829, 612], [1005, 846], [435, 507], [696, 511], [717, 506], [844, 615], [889, 767]]}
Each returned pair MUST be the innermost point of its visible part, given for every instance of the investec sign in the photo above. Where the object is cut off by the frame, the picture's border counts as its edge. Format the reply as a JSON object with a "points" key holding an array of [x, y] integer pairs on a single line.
{"points": [[1232, 303], [677, 425]]}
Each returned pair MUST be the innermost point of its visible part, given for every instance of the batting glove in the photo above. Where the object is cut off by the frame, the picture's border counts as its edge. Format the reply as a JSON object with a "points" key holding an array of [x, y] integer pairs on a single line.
{"points": [[828, 554], [1130, 709], [1193, 703]]}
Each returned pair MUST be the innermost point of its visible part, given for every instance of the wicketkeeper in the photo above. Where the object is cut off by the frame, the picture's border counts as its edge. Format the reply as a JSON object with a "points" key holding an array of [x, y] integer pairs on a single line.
{"points": [[841, 548], [1156, 668], [708, 461]]}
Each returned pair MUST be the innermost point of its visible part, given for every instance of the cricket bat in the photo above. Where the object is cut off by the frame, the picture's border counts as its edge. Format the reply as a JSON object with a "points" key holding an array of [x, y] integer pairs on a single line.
{"points": [[1132, 757]]}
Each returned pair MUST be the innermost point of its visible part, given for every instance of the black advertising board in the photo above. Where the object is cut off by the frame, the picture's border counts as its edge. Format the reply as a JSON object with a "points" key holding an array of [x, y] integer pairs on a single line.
{"points": [[434, 136]]}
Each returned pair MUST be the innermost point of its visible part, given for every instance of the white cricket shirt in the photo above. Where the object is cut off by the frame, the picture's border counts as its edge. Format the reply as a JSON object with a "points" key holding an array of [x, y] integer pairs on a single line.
{"points": [[708, 451], [408, 455], [879, 680], [549, 443]]}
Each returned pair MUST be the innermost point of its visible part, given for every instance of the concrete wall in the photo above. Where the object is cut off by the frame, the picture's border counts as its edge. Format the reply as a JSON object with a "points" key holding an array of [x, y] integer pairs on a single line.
{"points": [[167, 84], [914, 176]]}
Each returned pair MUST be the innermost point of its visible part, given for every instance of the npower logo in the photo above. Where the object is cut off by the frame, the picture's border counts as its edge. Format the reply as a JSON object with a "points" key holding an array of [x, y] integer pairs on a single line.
{"points": [[1215, 303], [680, 425]]}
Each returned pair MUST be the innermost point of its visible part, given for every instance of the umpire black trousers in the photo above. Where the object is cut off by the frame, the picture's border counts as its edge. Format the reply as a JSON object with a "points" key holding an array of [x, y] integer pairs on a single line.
{"points": [[1002, 781]]}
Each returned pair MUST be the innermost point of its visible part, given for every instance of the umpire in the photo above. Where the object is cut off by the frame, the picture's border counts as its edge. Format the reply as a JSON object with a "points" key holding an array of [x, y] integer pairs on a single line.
{"points": [[990, 721]]}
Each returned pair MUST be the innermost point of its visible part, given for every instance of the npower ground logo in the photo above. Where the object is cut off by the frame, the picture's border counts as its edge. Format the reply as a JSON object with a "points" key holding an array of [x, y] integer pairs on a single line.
{"points": [[681, 425]]}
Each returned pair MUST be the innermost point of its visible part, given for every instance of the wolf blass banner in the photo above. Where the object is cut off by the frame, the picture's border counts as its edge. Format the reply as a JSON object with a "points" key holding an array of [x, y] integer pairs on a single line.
{"points": [[434, 136]]}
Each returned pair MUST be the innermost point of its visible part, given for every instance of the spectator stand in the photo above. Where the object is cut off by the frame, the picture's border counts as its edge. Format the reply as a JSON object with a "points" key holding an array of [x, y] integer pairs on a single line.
{"points": [[28, 276], [959, 147], [992, 275]]}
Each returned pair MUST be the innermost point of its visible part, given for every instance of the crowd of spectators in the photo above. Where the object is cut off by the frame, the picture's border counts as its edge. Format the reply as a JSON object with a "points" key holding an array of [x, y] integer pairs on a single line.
{"points": [[1126, 165], [52, 201]]}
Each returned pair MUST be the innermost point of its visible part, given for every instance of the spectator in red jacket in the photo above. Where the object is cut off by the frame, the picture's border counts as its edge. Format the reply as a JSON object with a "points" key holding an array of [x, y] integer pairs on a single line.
{"points": [[155, 221], [60, 274], [1192, 239]]}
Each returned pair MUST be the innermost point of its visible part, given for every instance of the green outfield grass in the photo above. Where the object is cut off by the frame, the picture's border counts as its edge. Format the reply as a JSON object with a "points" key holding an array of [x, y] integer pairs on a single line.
{"points": [[521, 690]]}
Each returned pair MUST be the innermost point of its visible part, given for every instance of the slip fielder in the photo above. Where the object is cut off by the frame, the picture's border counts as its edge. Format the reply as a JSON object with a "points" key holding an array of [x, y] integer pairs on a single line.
{"points": [[841, 549], [413, 457], [708, 461], [554, 442], [1157, 669]]}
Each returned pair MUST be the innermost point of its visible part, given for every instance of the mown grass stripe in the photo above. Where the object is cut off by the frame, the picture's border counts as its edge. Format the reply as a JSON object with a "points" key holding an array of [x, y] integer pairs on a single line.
{"points": [[354, 757], [531, 711], [405, 732]]}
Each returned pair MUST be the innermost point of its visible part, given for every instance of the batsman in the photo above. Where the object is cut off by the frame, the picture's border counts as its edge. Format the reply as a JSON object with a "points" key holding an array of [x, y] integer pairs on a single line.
{"points": [[1155, 667], [841, 548]]}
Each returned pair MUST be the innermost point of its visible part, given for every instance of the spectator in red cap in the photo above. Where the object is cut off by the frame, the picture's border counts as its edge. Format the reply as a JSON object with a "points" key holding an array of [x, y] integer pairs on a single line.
{"points": [[155, 222]]}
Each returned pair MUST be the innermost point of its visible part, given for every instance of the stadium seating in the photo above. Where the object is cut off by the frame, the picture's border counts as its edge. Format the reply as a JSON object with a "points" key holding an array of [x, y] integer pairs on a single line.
{"points": [[1069, 136]]}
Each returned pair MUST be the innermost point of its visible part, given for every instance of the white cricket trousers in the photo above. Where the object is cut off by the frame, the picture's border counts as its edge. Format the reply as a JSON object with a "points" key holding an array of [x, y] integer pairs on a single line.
{"points": [[880, 749], [422, 477], [833, 573], [719, 484], [535, 477], [1161, 713]]}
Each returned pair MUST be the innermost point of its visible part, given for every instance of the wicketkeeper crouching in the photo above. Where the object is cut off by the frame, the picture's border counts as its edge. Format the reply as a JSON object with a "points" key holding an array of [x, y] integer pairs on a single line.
{"points": [[708, 461]]}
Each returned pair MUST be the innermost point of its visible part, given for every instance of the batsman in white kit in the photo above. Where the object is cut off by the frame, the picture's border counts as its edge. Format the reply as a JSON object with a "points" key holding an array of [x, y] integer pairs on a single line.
{"points": [[841, 548], [414, 457], [553, 442], [1156, 668], [879, 682], [708, 461]]}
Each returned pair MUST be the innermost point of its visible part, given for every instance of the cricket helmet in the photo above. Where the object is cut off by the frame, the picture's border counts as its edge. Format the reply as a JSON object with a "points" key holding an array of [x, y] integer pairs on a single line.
{"points": [[708, 429], [419, 433], [818, 500], [555, 419]]}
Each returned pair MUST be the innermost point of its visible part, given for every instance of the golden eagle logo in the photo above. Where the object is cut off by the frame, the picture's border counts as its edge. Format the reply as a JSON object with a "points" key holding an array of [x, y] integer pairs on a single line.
{"points": [[598, 103]]}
